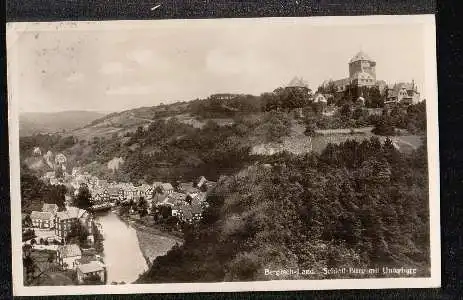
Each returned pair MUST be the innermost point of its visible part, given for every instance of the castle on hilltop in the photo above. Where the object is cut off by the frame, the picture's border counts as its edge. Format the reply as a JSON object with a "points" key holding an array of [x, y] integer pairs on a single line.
{"points": [[362, 73]]}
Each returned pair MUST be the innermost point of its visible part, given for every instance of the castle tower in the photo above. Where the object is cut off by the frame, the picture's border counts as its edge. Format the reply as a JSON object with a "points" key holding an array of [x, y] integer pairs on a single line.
{"points": [[362, 70], [362, 63]]}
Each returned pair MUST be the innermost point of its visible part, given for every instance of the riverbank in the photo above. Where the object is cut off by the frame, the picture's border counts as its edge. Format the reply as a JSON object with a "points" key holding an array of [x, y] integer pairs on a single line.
{"points": [[152, 241]]}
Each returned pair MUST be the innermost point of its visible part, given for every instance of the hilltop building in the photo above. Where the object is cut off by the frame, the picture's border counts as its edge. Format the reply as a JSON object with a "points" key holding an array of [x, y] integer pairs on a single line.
{"points": [[299, 84], [362, 73], [36, 151], [403, 93], [224, 96]]}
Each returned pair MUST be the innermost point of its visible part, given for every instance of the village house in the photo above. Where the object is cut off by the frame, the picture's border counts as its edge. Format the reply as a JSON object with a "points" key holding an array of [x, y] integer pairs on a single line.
{"points": [[167, 188], [205, 185], [146, 191], [67, 255], [320, 98], [158, 199], [132, 193], [54, 181], [114, 193], [187, 188], [42, 219], [93, 270], [202, 180], [176, 197], [49, 175], [102, 183], [98, 195], [37, 151], [65, 219], [197, 212]]}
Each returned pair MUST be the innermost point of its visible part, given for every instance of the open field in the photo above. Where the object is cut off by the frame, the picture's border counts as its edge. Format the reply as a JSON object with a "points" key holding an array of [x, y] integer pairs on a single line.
{"points": [[298, 143]]}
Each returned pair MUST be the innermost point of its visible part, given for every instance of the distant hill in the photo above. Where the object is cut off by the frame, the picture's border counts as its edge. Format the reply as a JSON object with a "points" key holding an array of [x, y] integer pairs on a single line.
{"points": [[51, 122]]}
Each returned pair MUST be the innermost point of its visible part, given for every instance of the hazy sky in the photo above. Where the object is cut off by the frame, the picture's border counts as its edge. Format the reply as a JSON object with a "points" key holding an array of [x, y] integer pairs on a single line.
{"points": [[95, 67]]}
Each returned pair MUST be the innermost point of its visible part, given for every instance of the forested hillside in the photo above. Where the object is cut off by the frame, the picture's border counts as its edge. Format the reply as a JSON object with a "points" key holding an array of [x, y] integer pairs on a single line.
{"points": [[35, 192], [361, 205], [209, 137]]}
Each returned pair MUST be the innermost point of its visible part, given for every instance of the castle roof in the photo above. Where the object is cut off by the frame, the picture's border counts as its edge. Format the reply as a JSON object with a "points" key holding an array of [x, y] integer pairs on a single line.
{"points": [[360, 56], [298, 82]]}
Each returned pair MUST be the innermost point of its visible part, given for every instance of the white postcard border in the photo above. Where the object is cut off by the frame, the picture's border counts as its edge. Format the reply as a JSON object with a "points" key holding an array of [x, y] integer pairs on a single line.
{"points": [[14, 30]]}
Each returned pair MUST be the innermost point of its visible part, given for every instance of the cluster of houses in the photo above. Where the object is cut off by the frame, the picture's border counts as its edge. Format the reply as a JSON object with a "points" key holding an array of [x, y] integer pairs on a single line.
{"points": [[60, 222], [54, 225], [187, 200], [86, 264]]}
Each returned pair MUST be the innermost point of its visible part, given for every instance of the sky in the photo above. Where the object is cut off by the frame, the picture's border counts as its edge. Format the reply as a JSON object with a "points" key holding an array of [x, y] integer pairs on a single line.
{"points": [[102, 67]]}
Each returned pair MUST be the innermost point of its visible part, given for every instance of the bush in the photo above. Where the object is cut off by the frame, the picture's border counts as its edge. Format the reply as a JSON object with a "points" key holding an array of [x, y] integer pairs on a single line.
{"points": [[384, 127]]}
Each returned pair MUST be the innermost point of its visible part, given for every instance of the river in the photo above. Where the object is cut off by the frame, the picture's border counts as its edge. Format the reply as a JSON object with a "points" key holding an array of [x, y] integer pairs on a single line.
{"points": [[122, 255]]}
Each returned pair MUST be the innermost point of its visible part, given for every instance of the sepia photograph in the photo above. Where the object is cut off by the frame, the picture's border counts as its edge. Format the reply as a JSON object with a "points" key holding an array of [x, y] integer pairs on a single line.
{"points": [[223, 155]]}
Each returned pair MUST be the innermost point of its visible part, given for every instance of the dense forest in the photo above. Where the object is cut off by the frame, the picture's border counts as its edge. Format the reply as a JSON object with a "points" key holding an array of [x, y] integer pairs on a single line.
{"points": [[35, 192], [355, 205]]}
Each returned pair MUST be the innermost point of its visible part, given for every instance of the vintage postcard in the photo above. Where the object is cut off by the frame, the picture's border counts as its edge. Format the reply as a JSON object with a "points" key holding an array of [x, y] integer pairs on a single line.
{"points": [[224, 155]]}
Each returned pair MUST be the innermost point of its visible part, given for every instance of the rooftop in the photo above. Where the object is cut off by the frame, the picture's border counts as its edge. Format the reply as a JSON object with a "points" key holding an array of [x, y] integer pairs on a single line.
{"points": [[93, 266], [298, 82], [167, 186], [53, 208], [69, 250], [41, 215], [360, 56], [71, 212]]}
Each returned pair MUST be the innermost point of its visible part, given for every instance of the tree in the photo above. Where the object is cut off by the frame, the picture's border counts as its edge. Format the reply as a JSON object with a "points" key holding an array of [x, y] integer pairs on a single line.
{"points": [[78, 233], [83, 198], [375, 98], [165, 211], [59, 172], [26, 221], [57, 195], [142, 207], [346, 112], [384, 127], [310, 129]]}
